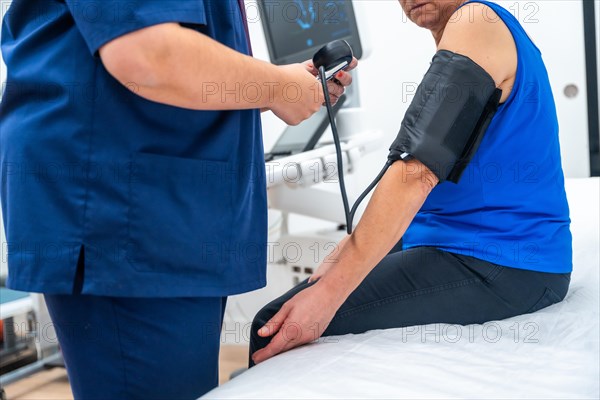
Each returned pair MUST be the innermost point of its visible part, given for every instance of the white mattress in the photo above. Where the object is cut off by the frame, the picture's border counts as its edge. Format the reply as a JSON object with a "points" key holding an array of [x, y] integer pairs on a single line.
{"points": [[553, 353]]}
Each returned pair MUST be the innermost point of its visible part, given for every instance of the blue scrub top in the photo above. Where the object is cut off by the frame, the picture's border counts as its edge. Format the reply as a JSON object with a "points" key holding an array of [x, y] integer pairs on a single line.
{"points": [[164, 201]]}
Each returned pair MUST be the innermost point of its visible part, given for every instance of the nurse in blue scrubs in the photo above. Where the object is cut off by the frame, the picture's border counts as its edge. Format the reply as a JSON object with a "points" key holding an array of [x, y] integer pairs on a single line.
{"points": [[133, 184]]}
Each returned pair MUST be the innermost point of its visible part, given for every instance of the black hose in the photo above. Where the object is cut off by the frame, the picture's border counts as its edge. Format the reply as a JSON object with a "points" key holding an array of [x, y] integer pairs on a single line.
{"points": [[338, 150], [364, 194]]}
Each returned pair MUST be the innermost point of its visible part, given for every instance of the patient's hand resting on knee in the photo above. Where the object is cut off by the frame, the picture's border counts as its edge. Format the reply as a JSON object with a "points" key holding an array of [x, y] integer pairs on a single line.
{"points": [[300, 320]]}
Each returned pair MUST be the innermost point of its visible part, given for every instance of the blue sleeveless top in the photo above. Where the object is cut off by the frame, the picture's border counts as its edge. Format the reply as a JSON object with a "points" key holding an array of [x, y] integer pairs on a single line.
{"points": [[510, 207]]}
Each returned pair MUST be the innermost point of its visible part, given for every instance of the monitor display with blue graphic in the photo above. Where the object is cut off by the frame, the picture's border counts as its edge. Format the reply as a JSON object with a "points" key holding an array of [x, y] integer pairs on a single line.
{"points": [[296, 29]]}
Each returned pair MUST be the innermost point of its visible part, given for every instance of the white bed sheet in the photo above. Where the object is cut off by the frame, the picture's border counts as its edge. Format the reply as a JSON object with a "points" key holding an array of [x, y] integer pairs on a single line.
{"points": [[551, 354]]}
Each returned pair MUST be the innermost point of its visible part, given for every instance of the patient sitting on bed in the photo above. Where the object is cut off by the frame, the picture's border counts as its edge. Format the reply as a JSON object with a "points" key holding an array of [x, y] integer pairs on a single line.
{"points": [[493, 246]]}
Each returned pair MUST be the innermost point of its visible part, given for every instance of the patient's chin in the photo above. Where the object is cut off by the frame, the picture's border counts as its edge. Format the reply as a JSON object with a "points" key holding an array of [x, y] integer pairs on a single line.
{"points": [[430, 16]]}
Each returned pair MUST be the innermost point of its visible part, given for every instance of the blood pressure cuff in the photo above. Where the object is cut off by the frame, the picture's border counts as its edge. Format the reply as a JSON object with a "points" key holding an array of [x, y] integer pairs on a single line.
{"points": [[448, 117]]}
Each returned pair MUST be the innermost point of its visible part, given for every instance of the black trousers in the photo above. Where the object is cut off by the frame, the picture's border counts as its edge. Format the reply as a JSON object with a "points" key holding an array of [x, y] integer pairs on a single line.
{"points": [[425, 285]]}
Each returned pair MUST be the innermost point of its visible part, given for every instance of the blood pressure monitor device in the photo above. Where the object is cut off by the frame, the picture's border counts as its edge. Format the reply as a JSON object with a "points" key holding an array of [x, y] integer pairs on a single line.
{"points": [[335, 57]]}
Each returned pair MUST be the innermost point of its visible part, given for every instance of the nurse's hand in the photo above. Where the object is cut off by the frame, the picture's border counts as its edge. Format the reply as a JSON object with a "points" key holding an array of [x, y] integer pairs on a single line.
{"points": [[337, 86], [301, 320], [298, 94]]}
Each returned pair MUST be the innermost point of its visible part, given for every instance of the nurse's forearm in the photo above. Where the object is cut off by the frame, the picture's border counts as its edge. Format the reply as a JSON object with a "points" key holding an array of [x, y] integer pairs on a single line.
{"points": [[395, 202], [174, 65]]}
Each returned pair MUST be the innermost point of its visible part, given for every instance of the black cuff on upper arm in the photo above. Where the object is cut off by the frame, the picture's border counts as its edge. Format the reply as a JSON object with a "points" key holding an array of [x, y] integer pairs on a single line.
{"points": [[448, 116]]}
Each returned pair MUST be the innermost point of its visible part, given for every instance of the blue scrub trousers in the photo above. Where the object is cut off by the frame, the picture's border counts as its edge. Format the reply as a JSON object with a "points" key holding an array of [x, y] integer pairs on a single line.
{"points": [[138, 348]]}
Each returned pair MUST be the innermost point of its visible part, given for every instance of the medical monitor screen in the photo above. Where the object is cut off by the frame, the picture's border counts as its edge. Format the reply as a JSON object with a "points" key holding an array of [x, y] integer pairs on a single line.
{"points": [[296, 29]]}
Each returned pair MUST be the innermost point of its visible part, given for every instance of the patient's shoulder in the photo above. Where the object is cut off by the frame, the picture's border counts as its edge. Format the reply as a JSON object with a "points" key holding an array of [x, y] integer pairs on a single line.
{"points": [[477, 32]]}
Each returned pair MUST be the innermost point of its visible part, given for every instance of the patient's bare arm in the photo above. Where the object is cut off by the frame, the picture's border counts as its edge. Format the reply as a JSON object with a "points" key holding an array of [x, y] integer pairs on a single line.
{"points": [[398, 197], [394, 204]]}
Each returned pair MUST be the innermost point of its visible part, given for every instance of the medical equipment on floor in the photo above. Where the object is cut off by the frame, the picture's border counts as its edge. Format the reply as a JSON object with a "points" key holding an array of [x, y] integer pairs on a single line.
{"points": [[28, 342]]}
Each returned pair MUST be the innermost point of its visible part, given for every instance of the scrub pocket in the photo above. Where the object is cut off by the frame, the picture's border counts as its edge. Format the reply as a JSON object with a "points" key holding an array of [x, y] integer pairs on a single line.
{"points": [[180, 215]]}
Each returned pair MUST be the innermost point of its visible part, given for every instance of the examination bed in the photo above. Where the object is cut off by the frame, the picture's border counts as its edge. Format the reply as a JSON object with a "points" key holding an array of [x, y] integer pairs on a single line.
{"points": [[553, 353]]}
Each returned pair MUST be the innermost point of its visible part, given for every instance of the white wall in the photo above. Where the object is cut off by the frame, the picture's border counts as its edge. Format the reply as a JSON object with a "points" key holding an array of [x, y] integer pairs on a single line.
{"points": [[557, 28]]}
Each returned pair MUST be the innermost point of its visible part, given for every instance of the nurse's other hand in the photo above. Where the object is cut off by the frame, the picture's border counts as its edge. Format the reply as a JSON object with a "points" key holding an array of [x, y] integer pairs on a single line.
{"points": [[337, 86], [298, 95], [300, 320]]}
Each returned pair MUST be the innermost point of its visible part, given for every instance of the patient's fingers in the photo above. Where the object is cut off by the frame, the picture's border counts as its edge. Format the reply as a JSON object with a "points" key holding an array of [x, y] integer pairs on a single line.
{"points": [[287, 338], [300, 320], [275, 347], [275, 323]]}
